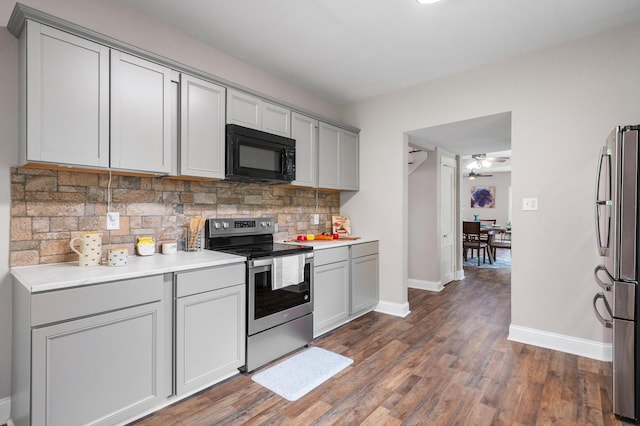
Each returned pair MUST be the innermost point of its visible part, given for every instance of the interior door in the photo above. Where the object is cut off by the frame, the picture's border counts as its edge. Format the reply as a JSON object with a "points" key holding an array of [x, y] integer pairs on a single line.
{"points": [[447, 219]]}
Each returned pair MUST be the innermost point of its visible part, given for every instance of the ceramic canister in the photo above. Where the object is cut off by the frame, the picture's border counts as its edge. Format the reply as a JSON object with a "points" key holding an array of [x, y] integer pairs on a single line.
{"points": [[90, 248], [117, 256]]}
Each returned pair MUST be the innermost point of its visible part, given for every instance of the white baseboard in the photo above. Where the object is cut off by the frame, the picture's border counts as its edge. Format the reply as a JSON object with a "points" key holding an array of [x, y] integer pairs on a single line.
{"points": [[396, 309], [573, 345], [425, 285], [460, 275], [5, 410]]}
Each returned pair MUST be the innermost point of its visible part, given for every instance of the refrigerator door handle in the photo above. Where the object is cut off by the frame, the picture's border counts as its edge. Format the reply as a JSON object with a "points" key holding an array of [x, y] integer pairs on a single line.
{"points": [[605, 322], [603, 285], [603, 249]]}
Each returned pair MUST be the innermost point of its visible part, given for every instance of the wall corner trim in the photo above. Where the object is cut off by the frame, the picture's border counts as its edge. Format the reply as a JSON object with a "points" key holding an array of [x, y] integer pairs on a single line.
{"points": [[425, 285], [559, 342], [395, 309]]}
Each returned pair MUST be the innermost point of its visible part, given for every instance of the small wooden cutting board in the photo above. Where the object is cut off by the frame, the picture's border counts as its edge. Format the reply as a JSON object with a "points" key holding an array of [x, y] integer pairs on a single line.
{"points": [[323, 241]]}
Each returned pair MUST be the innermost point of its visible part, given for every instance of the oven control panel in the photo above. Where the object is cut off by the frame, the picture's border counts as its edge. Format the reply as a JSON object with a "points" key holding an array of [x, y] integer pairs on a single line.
{"points": [[239, 226]]}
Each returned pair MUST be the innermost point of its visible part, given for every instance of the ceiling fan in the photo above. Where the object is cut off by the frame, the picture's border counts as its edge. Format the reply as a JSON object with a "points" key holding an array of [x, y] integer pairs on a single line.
{"points": [[474, 175], [481, 160]]}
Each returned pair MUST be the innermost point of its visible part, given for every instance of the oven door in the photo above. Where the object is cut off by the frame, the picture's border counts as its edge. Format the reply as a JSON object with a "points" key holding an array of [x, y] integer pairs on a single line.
{"points": [[268, 308]]}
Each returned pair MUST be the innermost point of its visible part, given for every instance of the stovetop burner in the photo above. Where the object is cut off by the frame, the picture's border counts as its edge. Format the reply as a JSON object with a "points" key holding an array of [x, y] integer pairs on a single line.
{"points": [[252, 238]]}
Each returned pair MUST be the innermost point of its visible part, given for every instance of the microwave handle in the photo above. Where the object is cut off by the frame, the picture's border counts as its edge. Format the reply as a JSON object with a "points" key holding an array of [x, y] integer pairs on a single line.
{"points": [[283, 161]]}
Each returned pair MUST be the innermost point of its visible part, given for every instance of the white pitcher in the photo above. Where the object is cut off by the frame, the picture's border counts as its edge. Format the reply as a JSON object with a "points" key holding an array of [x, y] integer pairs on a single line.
{"points": [[90, 253]]}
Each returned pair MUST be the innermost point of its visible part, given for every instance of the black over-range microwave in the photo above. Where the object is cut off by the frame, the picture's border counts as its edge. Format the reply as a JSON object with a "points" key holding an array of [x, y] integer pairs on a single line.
{"points": [[256, 156]]}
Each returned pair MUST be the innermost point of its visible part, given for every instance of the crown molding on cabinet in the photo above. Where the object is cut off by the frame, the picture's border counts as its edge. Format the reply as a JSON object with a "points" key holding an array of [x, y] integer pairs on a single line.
{"points": [[23, 12]]}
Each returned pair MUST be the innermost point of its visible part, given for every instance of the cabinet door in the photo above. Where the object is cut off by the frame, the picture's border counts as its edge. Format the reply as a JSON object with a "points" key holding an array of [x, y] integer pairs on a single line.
{"points": [[305, 131], [99, 370], [349, 161], [331, 296], [140, 114], [244, 110], [328, 156], [67, 99], [276, 120], [364, 283], [210, 337], [202, 131]]}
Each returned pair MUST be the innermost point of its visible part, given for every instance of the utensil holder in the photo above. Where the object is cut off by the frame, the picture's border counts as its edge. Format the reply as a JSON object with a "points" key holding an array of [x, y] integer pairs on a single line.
{"points": [[192, 240]]}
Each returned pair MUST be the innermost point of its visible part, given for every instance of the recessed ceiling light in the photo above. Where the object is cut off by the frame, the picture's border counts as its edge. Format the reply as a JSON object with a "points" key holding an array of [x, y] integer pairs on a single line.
{"points": [[427, 1]]}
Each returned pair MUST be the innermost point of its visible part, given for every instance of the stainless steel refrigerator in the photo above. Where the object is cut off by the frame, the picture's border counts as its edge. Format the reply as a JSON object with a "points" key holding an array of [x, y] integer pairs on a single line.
{"points": [[616, 304]]}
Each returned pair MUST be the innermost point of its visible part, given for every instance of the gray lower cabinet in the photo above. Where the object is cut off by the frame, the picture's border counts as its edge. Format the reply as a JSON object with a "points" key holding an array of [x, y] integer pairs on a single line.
{"points": [[100, 361], [331, 289], [210, 325], [364, 277]]}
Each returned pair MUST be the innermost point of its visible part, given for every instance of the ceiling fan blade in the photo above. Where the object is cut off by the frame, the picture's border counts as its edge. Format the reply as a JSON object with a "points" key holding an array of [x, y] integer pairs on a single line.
{"points": [[474, 175], [481, 157]]}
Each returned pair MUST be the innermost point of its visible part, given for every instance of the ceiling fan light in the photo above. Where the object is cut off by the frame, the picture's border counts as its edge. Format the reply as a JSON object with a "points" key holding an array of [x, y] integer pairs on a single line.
{"points": [[486, 163]]}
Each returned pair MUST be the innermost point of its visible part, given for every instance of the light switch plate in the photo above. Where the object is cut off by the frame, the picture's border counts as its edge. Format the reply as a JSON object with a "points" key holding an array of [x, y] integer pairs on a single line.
{"points": [[529, 204], [315, 219], [113, 220]]}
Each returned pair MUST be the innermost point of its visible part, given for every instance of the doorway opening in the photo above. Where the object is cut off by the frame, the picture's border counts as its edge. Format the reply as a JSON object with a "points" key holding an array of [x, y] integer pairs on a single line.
{"points": [[451, 148]]}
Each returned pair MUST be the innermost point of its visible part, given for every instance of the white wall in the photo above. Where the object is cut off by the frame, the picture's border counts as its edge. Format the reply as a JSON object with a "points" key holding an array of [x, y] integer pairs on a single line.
{"points": [[109, 17], [501, 181], [423, 241], [564, 101]]}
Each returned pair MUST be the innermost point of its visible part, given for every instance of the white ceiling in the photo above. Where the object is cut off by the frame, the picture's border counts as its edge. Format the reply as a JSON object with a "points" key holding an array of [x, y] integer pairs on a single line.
{"points": [[350, 50], [346, 51]]}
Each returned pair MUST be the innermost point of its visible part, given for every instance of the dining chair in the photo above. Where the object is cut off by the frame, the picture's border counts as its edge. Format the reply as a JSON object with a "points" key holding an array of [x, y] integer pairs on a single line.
{"points": [[486, 223], [471, 240], [495, 244]]}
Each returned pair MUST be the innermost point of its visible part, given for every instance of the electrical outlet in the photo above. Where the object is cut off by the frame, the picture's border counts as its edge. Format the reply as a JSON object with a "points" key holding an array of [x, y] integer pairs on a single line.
{"points": [[113, 220], [529, 204], [315, 219]]}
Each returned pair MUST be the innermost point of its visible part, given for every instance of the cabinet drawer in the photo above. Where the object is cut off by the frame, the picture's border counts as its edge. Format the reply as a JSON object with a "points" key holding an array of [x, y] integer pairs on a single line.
{"points": [[332, 255], [202, 280], [77, 302], [364, 249]]}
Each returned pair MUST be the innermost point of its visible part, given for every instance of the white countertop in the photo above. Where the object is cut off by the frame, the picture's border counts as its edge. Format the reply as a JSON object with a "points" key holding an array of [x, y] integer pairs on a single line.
{"points": [[64, 275], [325, 244]]}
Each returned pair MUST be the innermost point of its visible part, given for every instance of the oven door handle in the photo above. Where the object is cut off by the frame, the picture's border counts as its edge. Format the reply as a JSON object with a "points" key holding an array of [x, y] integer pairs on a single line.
{"points": [[268, 261]]}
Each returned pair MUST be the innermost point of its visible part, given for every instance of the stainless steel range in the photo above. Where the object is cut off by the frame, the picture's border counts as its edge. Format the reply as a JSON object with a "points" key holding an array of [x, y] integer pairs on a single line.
{"points": [[279, 286]]}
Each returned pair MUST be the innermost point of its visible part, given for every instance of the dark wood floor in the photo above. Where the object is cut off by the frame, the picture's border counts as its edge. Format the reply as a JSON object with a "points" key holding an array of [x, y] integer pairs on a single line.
{"points": [[448, 362]]}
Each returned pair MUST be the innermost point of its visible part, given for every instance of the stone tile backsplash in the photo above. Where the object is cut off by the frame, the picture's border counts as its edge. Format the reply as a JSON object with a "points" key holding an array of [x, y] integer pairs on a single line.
{"points": [[49, 207]]}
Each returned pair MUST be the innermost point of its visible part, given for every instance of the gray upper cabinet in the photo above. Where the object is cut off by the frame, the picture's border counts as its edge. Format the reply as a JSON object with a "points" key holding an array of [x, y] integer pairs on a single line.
{"points": [[349, 160], [140, 114], [328, 156], [338, 158], [276, 119], [92, 102], [305, 131], [64, 85], [202, 131], [250, 111]]}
